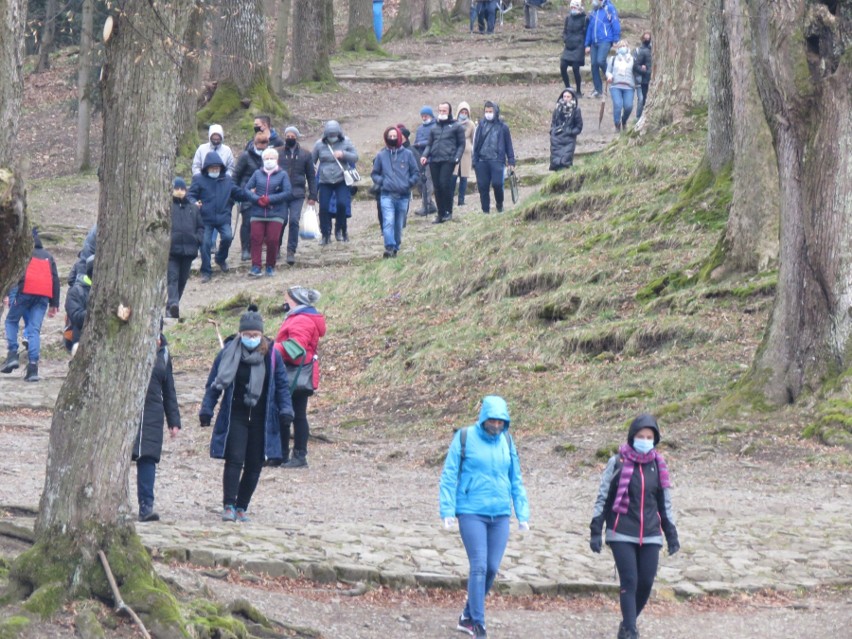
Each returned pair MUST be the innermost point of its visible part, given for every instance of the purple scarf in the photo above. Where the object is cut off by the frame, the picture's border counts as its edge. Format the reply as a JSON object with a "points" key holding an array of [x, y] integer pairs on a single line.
{"points": [[630, 458]]}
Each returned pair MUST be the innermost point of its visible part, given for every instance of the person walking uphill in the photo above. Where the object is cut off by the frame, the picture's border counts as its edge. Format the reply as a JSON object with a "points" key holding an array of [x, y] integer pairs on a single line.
{"points": [[604, 29], [187, 237], [269, 189], [492, 151], [333, 152], [443, 153], [574, 38], [395, 173], [160, 402], [249, 375], [635, 503], [304, 324], [565, 125], [480, 484]]}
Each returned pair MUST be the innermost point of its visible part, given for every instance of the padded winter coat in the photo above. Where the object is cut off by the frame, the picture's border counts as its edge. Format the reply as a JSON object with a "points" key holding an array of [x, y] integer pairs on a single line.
{"points": [[329, 170], [395, 171], [276, 186], [215, 194], [574, 37], [564, 129], [160, 402], [306, 325], [301, 171], [187, 229]]}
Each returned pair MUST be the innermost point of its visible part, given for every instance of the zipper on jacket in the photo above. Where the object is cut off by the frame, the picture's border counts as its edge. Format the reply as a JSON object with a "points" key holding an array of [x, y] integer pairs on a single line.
{"points": [[642, 507]]}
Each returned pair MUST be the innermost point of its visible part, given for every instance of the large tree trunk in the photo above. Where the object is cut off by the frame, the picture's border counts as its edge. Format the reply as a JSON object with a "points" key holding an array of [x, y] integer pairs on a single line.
{"points": [[15, 239], [417, 16], [48, 31], [309, 60], [361, 36], [84, 88], [282, 30], [461, 10], [239, 45], [84, 504], [677, 28], [803, 74], [190, 79], [720, 107]]}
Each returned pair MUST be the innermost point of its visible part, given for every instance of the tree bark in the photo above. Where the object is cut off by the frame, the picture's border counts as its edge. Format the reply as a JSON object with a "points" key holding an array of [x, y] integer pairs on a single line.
{"points": [[360, 36], [239, 45], [48, 31], [190, 77], [803, 74], [720, 101], [461, 10], [282, 30], [417, 16], [84, 88], [676, 27], [15, 239], [310, 57]]}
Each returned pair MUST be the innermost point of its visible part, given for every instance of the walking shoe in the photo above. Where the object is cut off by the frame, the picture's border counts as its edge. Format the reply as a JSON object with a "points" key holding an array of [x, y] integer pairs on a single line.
{"points": [[241, 516], [338, 235], [254, 272], [432, 208], [205, 278], [345, 236], [421, 212], [479, 631], [387, 254], [223, 266], [298, 460], [499, 209], [245, 256], [465, 625], [326, 240], [11, 363], [460, 203], [146, 513], [291, 257], [270, 271], [32, 372], [595, 94], [395, 252], [229, 513], [174, 311]]}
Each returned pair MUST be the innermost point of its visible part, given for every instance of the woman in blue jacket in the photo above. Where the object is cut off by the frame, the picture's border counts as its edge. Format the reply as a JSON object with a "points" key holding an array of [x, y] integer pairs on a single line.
{"points": [[255, 406], [269, 189], [480, 483]]}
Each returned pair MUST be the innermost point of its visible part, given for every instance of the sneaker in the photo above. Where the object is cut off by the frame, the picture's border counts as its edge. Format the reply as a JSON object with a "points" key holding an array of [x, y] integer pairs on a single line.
{"points": [[395, 252], [254, 272], [229, 513], [291, 258], [241, 516], [479, 631], [387, 254], [499, 209], [11, 363], [32, 372], [205, 278], [595, 94], [174, 311], [270, 271], [245, 256], [146, 513], [223, 266], [338, 235], [465, 624]]}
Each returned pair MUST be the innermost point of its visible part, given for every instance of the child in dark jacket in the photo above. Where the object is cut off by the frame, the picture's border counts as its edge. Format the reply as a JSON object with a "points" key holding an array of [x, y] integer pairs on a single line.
{"points": [[187, 236]]}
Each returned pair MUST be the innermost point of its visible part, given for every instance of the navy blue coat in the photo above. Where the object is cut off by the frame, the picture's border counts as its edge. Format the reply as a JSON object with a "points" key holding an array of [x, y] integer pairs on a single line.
{"points": [[395, 171], [215, 194], [274, 185]]}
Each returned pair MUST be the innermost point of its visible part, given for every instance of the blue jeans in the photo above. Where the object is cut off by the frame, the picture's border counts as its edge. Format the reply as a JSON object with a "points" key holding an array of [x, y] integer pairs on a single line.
{"points": [[227, 236], [489, 173], [474, 14], [622, 104], [146, 473], [597, 60], [33, 308], [394, 209], [343, 201], [487, 15], [485, 541], [462, 182]]}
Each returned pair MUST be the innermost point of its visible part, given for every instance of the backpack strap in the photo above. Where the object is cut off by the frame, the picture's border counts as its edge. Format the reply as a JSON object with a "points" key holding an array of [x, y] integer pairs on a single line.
{"points": [[463, 442]]}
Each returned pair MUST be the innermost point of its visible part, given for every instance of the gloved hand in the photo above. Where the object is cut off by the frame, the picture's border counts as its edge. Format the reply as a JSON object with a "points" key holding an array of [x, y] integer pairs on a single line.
{"points": [[284, 421], [523, 526], [596, 543], [204, 420], [449, 522], [263, 200], [674, 546]]}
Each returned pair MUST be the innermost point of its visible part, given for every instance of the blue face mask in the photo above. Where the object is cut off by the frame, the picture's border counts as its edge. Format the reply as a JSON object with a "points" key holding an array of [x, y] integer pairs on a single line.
{"points": [[623, 50], [643, 445], [250, 343]]}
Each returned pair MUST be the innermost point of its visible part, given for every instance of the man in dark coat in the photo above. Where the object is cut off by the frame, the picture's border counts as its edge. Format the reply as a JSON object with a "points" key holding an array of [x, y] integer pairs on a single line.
{"points": [[442, 154], [250, 161], [160, 401], [492, 152], [187, 236], [296, 161]]}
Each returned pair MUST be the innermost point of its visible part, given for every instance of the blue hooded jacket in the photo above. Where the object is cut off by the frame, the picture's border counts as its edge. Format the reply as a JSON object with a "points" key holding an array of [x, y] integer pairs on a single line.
{"points": [[215, 194], [604, 25], [490, 482]]}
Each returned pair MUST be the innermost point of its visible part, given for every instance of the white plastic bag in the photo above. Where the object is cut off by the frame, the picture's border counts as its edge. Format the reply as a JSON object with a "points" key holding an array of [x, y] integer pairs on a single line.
{"points": [[309, 228]]}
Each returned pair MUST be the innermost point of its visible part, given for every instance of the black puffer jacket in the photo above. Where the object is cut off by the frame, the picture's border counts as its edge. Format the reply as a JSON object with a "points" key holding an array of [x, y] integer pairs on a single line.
{"points": [[446, 142], [160, 402], [76, 303], [187, 229], [565, 125], [642, 56], [249, 162], [303, 176], [574, 38]]}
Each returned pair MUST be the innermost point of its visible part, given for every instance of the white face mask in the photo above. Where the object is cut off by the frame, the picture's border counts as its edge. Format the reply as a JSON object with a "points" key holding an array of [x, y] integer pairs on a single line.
{"points": [[442, 117], [489, 116], [270, 164], [643, 446], [463, 118], [214, 174]]}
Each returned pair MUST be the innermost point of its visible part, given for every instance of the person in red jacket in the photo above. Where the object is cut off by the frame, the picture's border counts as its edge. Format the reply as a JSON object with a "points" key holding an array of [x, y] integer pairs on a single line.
{"points": [[306, 325]]}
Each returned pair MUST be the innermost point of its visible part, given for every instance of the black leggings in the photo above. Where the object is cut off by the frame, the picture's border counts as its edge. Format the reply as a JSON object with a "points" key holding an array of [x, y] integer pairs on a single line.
{"points": [[637, 567], [301, 430], [563, 71], [244, 455]]}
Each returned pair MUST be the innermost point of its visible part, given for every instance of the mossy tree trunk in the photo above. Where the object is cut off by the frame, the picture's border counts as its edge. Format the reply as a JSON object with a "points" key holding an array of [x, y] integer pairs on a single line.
{"points": [[48, 31], [190, 77], [15, 239], [803, 70], [311, 44], [417, 16], [83, 157], [282, 31], [360, 36], [84, 505]]}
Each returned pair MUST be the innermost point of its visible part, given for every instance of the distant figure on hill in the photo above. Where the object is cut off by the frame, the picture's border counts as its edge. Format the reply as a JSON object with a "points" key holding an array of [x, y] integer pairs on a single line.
{"points": [[604, 29], [492, 152], [215, 143], [565, 125], [574, 53]]}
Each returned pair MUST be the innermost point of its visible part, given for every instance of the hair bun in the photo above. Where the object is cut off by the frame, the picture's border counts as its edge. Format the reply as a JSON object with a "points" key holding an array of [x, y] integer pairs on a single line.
{"points": [[252, 308]]}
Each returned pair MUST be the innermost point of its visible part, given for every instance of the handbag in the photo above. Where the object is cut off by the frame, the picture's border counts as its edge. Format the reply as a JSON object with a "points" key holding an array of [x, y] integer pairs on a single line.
{"points": [[309, 228], [350, 176], [301, 376]]}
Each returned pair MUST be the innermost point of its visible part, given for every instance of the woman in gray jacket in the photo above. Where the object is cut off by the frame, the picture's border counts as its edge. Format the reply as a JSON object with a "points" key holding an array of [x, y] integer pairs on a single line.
{"points": [[619, 74], [332, 153]]}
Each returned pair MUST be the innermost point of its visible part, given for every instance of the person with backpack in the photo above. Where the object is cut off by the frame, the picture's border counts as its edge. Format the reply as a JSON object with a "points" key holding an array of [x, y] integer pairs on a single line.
{"points": [[634, 502], [480, 484]]}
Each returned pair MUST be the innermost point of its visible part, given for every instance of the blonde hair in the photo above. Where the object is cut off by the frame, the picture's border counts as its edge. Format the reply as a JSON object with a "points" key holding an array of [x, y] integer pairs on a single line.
{"points": [[622, 43], [270, 153]]}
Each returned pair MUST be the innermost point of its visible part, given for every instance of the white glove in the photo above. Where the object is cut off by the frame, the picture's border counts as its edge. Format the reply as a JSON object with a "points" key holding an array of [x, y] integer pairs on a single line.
{"points": [[449, 522], [523, 526]]}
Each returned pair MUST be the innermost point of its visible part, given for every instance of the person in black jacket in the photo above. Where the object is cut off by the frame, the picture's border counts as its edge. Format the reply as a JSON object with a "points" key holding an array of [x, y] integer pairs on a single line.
{"points": [[89, 245], [642, 58], [250, 161], [187, 236], [160, 401], [565, 125], [76, 303], [443, 153], [296, 161], [635, 503], [574, 38], [492, 153]]}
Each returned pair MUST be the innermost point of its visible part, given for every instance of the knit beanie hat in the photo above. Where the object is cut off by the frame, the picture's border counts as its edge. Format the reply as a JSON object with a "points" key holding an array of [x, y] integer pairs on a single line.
{"points": [[251, 320], [179, 183], [427, 110], [404, 130], [302, 295], [293, 130]]}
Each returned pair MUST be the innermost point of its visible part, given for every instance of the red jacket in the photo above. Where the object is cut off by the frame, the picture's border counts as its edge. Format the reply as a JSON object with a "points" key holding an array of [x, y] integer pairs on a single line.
{"points": [[306, 325]]}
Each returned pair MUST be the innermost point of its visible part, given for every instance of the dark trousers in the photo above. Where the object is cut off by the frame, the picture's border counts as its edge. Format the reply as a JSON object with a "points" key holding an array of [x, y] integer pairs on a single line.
{"points": [[301, 429], [637, 567], [178, 274], [244, 454], [344, 198], [294, 216], [245, 229], [265, 233], [146, 473], [563, 71], [489, 173], [442, 178], [462, 187]]}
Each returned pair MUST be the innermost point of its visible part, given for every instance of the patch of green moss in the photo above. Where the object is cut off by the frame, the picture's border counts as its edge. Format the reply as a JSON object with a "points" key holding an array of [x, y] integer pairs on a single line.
{"points": [[46, 599], [705, 198], [564, 449], [593, 241], [12, 627], [833, 425], [360, 40], [603, 454], [667, 283], [225, 101]]}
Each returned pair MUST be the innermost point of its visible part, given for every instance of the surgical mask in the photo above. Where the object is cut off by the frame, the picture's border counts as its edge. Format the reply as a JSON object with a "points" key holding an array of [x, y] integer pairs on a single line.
{"points": [[622, 50], [462, 118], [290, 142], [213, 174], [332, 138], [643, 445], [270, 164], [576, 12], [489, 116], [257, 129], [442, 117], [250, 343]]}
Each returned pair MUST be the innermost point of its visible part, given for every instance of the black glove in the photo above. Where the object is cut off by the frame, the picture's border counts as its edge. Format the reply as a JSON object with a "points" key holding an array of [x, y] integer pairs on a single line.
{"points": [[284, 421], [204, 420], [595, 543], [674, 545]]}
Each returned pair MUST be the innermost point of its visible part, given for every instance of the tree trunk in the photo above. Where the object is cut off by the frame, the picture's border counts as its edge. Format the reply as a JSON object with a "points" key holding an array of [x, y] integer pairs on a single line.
{"points": [[361, 36], [84, 88], [15, 239], [190, 78], [720, 107], [239, 45], [309, 60], [84, 505], [803, 74], [461, 10], [48, 30], [417, 16], [677, 27], [282, 29], [328, 26]]}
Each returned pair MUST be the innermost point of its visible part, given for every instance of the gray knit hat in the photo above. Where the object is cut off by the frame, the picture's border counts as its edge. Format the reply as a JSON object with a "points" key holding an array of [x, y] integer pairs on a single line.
{"points": [[251, 320], [302, 295], [293, 130]]}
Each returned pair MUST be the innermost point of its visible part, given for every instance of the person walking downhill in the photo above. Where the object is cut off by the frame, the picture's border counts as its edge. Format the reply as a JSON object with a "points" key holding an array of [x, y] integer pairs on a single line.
{"points": [[442, 154], [296, 162], [304, 324], [160, 402], [634, 502], [604, 29], [36, 295], [395, 173], [421, 141], [574, 38], [187, 237], [249, 375], [462, 172], [492, 152], [565, 125], [619, 73], [215, 144], [250, 161], [269, 190], [331, 154], [642, 62], [77, 304], [480, 484]]}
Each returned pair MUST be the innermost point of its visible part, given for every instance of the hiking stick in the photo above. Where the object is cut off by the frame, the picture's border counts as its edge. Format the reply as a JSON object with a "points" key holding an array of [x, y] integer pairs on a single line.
{"points": [[120, 606], [216, 324]]}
